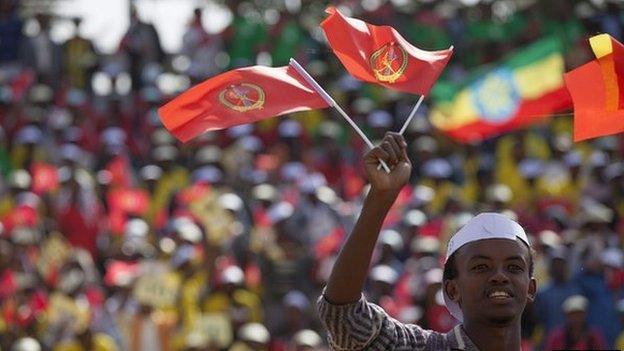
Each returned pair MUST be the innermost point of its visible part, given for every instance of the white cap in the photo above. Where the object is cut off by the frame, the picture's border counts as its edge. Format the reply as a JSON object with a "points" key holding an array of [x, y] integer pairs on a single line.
{"points": [[232, 275], [379, 119], [186, 228], [240, 130], [308, 183], [29, 135], [531, 168], [207, 174], [230, 201], [26, 344], [290, 129], [113, 136], [254, 332], [384, 273], [392, 238], [280, 211], [184, 254], [296, 299], [292, 171], [612, 257], [482, 226], [575, 303], [437, 168], [136, 227], [250, 143], [307, 338]]}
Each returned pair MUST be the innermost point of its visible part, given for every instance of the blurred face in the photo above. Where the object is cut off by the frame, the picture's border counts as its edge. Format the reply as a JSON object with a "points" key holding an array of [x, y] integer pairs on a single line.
{"points": [[558, 269], [256, 346], [6, 254], [493, 283], [576, 318]]}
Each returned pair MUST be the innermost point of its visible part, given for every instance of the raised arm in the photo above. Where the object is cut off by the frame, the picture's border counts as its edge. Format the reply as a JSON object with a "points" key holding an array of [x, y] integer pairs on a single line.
{"points": [[351, 268]]}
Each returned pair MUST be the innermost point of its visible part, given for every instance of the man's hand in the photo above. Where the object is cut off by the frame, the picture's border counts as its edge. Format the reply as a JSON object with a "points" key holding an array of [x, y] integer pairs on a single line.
{"points": [[349, 273], [392, 150]]}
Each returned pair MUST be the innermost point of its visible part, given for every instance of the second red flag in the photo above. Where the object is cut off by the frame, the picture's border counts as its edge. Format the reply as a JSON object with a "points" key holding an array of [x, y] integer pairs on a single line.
{"points": [[379, 54]]}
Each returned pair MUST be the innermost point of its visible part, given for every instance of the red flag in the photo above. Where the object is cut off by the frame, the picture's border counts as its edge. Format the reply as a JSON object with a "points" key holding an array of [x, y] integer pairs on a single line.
{"points": [[120, 273], [236, 97], [597, 90], [45, 178], [379, 54], [119, 169], [128, 200]]}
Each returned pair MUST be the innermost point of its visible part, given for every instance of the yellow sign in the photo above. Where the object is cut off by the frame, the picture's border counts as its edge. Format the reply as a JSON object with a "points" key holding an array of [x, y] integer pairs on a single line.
{"points": [[65, 310], [54, 253], [215, 220], [214, 329], [157, 290]]}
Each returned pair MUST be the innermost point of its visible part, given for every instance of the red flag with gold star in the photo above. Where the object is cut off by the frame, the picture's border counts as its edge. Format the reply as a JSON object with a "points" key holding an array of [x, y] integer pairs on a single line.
{"points": [[379, 54], [240, 96]]}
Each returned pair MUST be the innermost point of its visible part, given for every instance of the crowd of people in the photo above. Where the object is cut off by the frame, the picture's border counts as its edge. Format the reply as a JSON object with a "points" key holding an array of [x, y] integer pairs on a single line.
{"points": [[114, 236]]}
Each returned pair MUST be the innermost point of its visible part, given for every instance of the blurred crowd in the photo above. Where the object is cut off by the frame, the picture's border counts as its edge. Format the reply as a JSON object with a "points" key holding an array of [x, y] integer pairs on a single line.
{"points": [[114, 236]]}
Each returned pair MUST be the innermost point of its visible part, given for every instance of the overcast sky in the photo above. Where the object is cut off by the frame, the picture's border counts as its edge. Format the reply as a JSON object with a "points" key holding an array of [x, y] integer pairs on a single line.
{"points": [[106, 21]]}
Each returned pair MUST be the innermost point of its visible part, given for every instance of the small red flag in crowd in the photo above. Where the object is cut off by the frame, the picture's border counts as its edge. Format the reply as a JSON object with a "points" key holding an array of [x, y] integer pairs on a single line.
{"points": [[240, 96], [597, 90], [128, 200], [45, 178], [379, 54]]}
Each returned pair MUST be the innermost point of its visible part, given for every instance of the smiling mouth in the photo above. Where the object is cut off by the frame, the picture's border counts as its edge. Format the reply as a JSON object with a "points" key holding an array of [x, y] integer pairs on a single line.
{"points": [[499, 295]]}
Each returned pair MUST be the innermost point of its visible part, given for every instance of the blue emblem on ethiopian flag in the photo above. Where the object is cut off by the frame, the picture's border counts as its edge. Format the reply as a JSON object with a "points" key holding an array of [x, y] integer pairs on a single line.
{"points": [[496, 96], [516, 92]]}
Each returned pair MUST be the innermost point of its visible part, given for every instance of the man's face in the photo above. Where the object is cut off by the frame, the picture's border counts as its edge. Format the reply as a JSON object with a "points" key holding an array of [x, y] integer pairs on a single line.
{"points": [[493, 283]]}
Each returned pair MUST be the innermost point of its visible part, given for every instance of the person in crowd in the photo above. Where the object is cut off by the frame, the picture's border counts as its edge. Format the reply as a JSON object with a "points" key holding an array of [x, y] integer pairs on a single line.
{"points": [[201, 48], [142, 45], [42, 54], [10, 31], [80, 60], [551, 297], [575, 334]]}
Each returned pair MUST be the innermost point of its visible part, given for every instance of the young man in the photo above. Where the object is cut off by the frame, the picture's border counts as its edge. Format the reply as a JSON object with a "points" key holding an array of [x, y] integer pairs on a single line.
{"points": [[487, 276]]}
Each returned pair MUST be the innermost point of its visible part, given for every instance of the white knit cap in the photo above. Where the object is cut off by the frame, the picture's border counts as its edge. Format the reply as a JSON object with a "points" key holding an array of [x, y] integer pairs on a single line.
{"points": [[481, 227]]}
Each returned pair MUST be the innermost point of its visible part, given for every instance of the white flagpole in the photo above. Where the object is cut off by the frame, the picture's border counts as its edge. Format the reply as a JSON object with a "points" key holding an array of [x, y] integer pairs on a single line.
{"points": [[333, 104], [411, 115]]}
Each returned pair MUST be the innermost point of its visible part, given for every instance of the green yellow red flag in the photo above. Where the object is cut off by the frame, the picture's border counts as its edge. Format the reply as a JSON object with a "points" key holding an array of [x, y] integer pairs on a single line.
{"points": [[511, 94]]}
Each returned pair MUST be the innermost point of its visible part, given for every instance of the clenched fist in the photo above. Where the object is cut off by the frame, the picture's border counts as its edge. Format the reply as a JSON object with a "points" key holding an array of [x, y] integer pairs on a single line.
{"points": [[392, 150]]}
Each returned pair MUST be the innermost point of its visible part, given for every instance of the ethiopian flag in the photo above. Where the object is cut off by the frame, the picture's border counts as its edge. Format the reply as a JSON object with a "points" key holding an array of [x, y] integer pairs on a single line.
{"points": [[514, 93]]}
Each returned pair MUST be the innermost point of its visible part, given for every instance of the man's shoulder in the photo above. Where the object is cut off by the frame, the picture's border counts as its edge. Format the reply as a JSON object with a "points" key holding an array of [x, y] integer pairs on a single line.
{"points": [[365, 324]]}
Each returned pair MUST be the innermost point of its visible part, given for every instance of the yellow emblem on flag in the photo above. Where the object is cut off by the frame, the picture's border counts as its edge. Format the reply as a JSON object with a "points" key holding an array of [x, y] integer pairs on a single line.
{"points": [[389, 62], [243, 97]]}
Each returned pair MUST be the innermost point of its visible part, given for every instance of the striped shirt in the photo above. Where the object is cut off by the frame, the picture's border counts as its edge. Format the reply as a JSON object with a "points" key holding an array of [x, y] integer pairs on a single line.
{"points": [[365, 326]]}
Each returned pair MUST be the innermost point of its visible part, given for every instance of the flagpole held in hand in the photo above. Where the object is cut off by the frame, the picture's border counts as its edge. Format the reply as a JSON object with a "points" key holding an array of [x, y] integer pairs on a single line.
{"points": [[411, 115], [333, 104]]}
